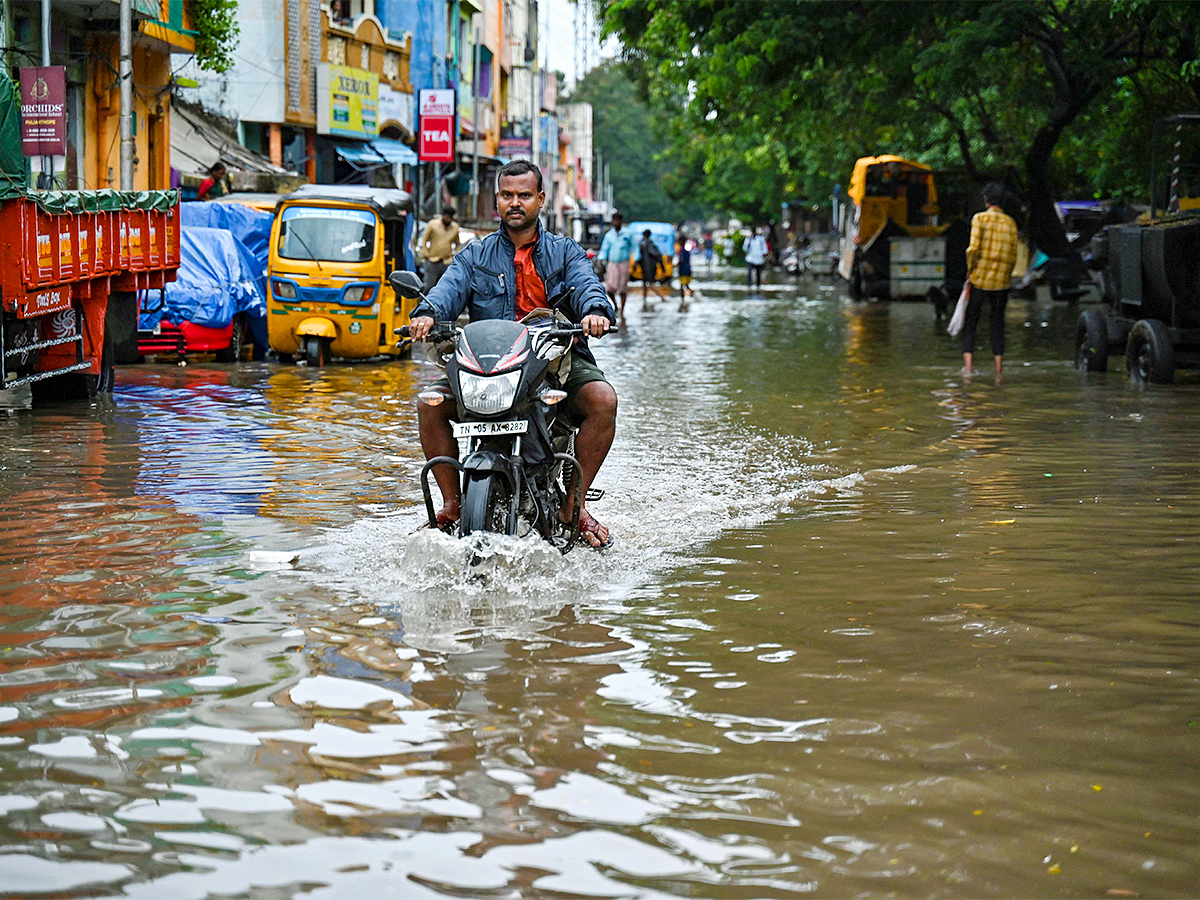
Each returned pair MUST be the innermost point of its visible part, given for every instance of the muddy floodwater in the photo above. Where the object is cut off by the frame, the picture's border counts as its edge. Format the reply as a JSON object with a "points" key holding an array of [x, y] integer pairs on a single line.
{"points": [[871, 629]]}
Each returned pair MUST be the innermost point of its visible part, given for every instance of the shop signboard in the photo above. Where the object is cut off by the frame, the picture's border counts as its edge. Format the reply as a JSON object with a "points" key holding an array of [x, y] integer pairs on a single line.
{"points": [[395, 108], [516, 139], [435, 137], [347, 102], [43, 110]]}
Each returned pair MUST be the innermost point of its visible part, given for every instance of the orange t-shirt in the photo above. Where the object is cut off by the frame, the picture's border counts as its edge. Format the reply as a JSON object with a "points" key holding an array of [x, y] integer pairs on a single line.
{"points": [[531, 292]]}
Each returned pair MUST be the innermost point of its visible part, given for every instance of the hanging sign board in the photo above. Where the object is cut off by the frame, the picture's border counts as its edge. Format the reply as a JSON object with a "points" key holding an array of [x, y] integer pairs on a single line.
{"points": [[44, 110], [347, 102], [435, 136]]}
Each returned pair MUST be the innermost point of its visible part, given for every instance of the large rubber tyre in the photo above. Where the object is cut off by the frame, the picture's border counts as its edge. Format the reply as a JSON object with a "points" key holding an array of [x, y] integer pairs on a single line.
{"points": [[75, 386], [1091, 342], [237, 342], [485, 505], [1149, 353], [316, 351]]}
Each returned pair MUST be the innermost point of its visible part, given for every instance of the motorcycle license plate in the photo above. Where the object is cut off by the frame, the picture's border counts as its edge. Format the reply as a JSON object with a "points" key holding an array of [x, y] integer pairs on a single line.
{"points": [[489, 429]]}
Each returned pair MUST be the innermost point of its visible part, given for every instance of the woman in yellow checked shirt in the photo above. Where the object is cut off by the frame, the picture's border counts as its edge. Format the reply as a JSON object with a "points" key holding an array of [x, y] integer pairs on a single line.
{"points": [[991, 256]]}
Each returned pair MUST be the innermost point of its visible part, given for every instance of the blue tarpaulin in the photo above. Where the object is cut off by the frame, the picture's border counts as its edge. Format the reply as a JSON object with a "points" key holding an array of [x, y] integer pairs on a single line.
{"points": [[216, 280]]}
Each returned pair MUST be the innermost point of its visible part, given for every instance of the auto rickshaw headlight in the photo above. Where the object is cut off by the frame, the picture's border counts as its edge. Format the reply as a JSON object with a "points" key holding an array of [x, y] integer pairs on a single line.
{"points": [[359, 293], [284, 289]]}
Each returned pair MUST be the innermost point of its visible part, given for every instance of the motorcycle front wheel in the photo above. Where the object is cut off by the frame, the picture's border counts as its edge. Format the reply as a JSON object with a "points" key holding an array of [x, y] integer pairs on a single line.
{"points": [[485, 504]]}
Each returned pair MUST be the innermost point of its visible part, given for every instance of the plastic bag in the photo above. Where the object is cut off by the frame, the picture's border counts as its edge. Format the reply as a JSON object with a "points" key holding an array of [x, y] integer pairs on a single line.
{"points": [[954, 329]]}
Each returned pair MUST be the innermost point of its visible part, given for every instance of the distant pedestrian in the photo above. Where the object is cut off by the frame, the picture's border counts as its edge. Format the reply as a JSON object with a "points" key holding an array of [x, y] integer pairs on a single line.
{"points": [[439, 242], [616, 248], [991, 256], [650, 258], [708, 250], [216, 184], [684, 269], [756, 256]]}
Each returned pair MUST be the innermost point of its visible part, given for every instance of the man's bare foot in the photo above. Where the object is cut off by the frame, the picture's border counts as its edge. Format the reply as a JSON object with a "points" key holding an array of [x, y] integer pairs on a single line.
{"points": [[447, 518], [592, 531]]}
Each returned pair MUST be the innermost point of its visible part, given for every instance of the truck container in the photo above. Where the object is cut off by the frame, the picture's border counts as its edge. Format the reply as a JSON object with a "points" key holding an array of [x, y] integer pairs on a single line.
{"points": [[72, 264]]}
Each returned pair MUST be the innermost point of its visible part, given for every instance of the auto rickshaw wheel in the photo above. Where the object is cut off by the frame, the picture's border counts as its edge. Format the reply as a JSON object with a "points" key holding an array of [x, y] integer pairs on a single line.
{"points": [[1149, 353], [316, 351], [1091, 342]]}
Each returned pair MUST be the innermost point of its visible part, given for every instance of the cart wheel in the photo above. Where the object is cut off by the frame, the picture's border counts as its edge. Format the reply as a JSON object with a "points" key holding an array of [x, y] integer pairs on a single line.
{"points": [[316, 351], [1149, 353], [1091, 342], [237, 342]]}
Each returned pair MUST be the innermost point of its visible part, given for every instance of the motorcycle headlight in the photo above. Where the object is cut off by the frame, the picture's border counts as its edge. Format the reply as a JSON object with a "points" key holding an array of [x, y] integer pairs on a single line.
{"points": [[488, 394]]}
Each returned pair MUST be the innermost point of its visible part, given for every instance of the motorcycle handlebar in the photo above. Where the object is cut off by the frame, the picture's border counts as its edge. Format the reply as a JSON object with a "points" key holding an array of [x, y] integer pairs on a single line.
{"points": [[442, 334]]}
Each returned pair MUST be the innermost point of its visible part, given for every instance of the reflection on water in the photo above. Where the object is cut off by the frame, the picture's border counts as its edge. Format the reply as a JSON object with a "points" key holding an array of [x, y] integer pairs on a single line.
{"points": [[870, 630]]}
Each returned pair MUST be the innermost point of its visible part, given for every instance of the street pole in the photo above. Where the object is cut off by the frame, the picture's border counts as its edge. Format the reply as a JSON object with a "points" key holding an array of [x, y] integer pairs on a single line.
{"points": [[46, 178], [475, 130], [125, 72]]}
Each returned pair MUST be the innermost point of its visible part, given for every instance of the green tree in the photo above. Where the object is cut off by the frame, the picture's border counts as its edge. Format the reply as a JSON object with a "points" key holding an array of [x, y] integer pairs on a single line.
{"points": [[216, 27], [1002, 89]]}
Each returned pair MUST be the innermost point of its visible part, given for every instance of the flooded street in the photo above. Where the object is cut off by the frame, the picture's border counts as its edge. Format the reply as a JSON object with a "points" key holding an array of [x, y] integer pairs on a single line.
{"points": [[871, 629]]}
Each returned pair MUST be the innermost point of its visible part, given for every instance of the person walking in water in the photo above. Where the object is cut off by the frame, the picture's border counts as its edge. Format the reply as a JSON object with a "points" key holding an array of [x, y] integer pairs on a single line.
{"points": [[650, 258], [756, 256], [991, 255], [684, 251], [439, 242], [615, 250]]}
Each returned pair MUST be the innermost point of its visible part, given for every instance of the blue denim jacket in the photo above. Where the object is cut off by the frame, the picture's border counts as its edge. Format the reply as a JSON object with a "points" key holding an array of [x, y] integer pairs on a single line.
{"points": [[482, 280]]}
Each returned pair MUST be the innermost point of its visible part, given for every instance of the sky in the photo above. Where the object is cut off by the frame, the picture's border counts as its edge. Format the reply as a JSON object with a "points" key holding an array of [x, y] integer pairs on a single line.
{"points": [[557, 35]]}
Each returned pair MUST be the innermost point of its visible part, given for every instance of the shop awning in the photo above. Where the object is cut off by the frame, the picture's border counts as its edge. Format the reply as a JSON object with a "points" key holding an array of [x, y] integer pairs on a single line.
{"points": [[379, 152]]}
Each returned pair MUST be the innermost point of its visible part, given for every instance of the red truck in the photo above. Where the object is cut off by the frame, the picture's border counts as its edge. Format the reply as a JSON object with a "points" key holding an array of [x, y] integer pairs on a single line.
{"points": [[73, 262]]}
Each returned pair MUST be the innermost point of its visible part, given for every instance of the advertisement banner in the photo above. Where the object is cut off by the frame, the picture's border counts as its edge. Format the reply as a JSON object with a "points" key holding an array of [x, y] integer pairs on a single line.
{"points": [[395, 108], [43, 110], [516, 139], [347, 102], [435, 137]]}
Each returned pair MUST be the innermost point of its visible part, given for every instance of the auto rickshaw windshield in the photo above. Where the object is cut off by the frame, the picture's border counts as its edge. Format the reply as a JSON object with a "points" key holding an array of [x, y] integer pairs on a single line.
{"points": [[329, 235]]}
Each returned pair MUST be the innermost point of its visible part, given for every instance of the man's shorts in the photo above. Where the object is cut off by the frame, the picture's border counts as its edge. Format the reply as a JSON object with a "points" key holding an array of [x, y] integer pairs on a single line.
{"points": [[583, 371]]}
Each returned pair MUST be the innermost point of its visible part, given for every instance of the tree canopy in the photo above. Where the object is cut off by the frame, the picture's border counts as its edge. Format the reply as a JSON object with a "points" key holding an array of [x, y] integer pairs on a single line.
{"points": [[771, 101]]}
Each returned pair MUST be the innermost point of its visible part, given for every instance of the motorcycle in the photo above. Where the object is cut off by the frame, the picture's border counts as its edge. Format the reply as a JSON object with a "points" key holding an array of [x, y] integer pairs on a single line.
{"points": [[519, 458]]}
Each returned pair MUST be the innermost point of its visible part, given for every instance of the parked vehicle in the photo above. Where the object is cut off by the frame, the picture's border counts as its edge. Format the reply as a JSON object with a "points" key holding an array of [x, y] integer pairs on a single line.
{"points": [[519, 457], [73, 262], [663, 235], [217, 303], [211, 305], [332, 250], [1149, 277], [892, 242]]}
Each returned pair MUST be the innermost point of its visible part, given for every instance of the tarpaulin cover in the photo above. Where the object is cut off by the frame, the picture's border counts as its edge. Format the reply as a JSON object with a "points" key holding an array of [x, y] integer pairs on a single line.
{"points": [[250, 227], [103, 200], [12, 161], [215, 281]]}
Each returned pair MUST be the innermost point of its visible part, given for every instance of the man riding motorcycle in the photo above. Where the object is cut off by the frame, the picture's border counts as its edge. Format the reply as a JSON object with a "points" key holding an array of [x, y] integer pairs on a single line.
{"points": [[507, 275]]}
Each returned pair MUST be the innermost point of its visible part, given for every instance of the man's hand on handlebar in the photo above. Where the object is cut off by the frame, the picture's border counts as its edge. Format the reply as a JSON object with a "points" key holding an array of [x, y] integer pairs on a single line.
{"points": [[419, 328], [595, 326]]}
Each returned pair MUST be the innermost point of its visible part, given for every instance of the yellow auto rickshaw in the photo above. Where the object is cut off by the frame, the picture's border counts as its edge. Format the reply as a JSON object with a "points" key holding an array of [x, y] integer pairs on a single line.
{"points": [[332, 249]]}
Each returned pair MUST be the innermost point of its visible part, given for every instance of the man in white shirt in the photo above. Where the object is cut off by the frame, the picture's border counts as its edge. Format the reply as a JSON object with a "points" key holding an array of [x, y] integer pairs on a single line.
{"points": [[756, 256]]}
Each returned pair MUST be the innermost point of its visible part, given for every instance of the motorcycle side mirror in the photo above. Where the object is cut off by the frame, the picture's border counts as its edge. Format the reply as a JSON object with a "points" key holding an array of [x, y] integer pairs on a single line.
{"points": [[406, 284]]}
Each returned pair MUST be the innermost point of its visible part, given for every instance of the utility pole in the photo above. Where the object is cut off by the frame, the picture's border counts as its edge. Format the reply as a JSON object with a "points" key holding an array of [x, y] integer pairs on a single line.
{"points": [[125, 72], [475, 131]]}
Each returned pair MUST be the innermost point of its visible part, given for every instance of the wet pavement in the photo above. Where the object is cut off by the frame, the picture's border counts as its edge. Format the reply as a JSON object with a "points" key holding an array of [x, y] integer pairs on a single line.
{"points": [[871, 629]]}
